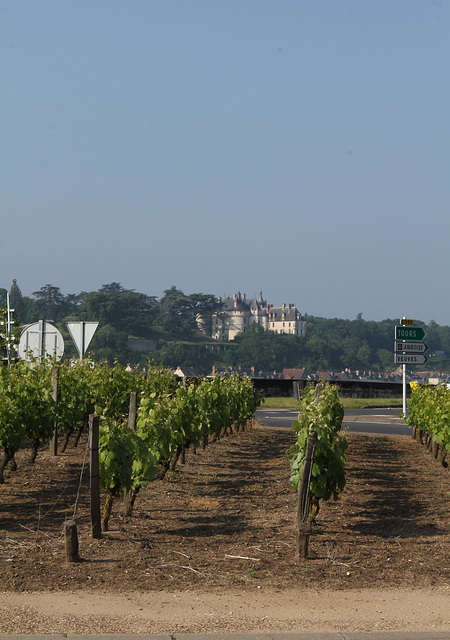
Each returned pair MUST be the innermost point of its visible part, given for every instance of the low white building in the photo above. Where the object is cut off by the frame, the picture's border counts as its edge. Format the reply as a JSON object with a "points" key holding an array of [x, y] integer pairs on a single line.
{"points": [[239, 312], [286, 319]]}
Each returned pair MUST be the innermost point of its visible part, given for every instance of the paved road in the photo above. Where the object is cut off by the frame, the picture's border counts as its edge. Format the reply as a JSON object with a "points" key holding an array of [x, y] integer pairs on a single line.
{"points": [[379, 421]]}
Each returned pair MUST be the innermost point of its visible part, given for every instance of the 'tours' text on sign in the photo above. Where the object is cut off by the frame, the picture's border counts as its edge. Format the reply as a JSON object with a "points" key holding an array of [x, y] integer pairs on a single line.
{"points": [[409, 333]]}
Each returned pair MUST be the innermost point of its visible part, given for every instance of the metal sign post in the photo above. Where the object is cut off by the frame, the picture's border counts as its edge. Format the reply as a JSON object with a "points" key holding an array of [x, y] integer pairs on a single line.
{"points": [[9, 329], [404, 390]]}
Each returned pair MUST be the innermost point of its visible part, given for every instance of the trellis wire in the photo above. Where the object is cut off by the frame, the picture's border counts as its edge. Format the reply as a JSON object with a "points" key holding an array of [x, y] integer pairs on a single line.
{"points": [[81, 478]]}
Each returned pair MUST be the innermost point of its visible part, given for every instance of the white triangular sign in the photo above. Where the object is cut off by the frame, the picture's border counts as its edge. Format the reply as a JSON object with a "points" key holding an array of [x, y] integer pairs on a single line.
{"points": [[82, 334]]}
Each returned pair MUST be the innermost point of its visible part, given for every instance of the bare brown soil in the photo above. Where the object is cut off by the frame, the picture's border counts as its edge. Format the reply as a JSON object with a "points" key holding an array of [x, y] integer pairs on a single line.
{"points": [[225, 522]]}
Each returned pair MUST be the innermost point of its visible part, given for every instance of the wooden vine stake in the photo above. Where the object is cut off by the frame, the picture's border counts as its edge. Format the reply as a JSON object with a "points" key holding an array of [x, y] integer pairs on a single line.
{"points": [[132, 415], [96, 523], [71, 541], [304, 527]]}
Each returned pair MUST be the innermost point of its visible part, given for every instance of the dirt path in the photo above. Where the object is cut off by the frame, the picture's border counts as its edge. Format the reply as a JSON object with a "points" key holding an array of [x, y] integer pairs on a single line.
{"points": [[197, 611]]}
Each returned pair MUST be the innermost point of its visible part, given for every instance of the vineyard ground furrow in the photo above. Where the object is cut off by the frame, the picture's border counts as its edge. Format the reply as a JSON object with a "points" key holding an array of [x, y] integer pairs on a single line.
{"points": [[391, 526]]}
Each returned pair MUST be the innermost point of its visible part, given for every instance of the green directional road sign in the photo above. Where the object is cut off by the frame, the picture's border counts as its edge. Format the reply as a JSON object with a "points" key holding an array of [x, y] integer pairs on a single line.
{"points": [[412, 334]]}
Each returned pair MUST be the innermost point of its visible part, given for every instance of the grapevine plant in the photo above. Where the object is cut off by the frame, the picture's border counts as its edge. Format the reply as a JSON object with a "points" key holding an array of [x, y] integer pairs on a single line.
{"points": [[12, 427], [169, 422], [125, 463], [429, 411], [76, 397], [320, 411], [27, 411]]}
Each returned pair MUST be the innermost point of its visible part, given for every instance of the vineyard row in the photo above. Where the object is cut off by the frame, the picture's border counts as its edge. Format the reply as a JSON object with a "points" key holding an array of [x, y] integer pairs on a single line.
{"points": [[170, 415], [429, 418]]}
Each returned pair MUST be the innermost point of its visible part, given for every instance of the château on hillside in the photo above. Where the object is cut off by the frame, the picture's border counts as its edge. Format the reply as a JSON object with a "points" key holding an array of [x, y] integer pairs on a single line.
{"points": [[238, 313]]}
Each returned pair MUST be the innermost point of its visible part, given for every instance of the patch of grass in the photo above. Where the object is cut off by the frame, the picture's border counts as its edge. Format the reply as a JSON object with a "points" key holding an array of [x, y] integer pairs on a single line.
{"points": [[348, 403], [172, 477], [280, 403], [256, 486], [359, 403]]}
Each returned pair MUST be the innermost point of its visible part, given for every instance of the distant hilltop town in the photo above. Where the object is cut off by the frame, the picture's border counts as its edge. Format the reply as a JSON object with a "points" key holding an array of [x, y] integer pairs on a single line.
{"points": [[238, 313]]}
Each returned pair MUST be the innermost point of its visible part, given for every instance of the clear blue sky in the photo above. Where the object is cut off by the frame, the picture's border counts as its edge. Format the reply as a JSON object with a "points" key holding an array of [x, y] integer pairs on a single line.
{"points": [[298, 146]]}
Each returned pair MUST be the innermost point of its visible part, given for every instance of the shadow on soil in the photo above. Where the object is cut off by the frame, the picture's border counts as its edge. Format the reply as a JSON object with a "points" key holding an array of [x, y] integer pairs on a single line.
{"points": [[392, 508]]}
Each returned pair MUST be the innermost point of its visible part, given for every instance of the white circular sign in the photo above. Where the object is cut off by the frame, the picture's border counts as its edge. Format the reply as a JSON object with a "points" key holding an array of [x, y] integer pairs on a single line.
{"points": [[41, 339]]}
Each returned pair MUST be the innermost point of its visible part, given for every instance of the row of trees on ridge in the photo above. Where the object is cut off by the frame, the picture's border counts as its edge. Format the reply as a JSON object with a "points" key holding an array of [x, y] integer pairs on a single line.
{"points": [[329, 344]]}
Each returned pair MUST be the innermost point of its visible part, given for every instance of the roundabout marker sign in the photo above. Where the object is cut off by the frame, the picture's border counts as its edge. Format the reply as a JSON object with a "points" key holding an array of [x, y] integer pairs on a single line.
{"points": [[39, 340]]}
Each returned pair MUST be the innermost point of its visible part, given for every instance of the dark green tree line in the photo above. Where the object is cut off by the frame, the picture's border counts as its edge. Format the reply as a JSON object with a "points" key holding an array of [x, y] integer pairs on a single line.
{"points": [[171, 321]]}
